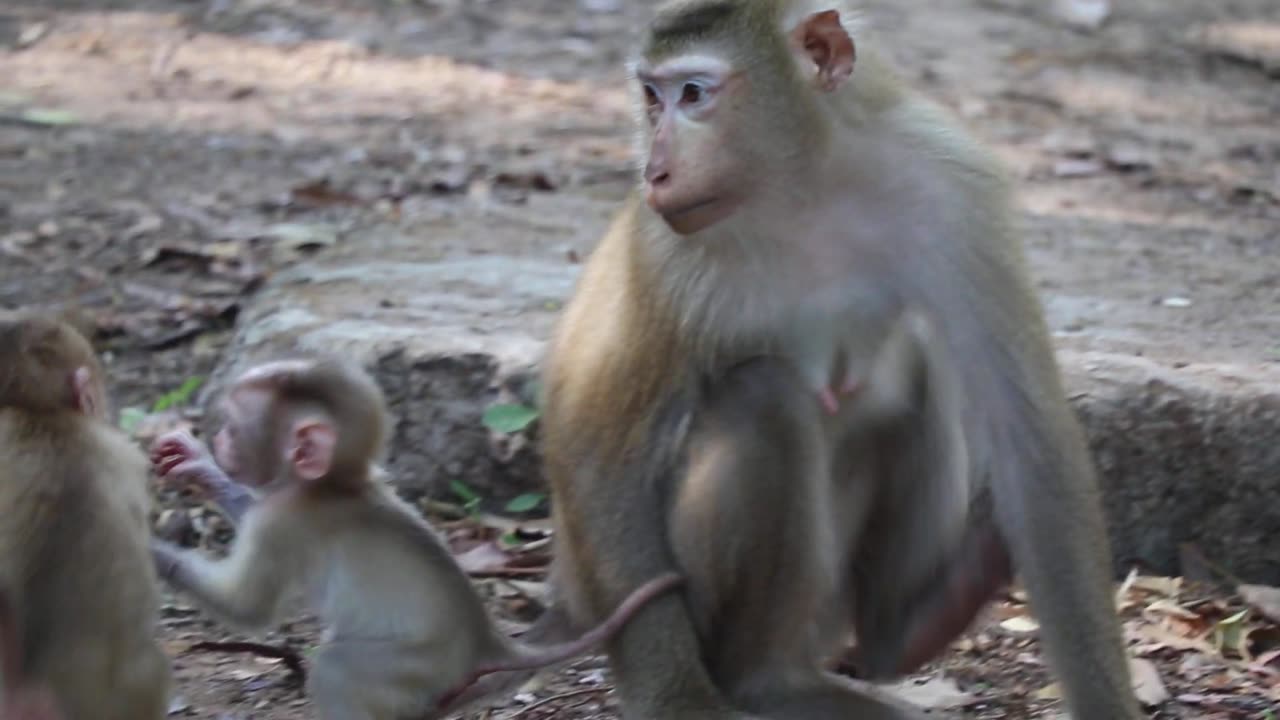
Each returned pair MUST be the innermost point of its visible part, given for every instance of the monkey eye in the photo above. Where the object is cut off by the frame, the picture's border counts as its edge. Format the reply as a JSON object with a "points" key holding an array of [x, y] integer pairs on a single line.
{"points": [[651, 98], [692, 93]]}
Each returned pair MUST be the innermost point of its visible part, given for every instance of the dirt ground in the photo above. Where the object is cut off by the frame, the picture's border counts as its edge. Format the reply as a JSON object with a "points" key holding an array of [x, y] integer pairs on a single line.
{"points": [[160, 158]]}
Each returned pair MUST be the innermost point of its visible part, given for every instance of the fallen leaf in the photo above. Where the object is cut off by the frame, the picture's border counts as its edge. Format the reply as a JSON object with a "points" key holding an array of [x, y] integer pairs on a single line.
{"points": [[321, 194], [178, 705], [1169, 586], [296, 237], [48, 117], [1161, 638], [1169, 607], [31, 35], [482, 558], [1147, 685], [1085, 14], [935, 694], [1230, 633], [1021, 624], [1076, 168], [1052, 691]]}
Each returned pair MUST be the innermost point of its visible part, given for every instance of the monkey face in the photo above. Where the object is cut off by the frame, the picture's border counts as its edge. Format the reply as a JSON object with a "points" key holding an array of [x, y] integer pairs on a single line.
{"points": [[243, 446], [693, 174]]}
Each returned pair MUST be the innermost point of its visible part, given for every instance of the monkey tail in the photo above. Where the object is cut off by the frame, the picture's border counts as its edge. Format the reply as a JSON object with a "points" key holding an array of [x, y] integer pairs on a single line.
{"points": [[534, 657]]}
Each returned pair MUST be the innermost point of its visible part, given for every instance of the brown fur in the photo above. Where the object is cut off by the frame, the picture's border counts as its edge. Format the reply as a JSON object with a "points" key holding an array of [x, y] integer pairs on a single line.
{"points": [[408, 635], [677, 436], [73, 543]]}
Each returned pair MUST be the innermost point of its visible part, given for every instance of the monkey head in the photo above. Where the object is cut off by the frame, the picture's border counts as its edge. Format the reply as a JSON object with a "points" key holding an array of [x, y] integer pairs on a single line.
{"points": [[730, 106], [46, 365], [299, 421]]}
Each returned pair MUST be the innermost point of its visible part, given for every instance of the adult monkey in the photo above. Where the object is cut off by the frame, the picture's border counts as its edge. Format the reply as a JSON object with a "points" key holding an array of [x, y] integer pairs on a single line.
{"points": [[799, 217]]}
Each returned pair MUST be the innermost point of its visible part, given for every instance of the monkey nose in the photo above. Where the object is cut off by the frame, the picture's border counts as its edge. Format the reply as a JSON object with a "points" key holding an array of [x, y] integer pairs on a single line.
{"points": [[654, 174]]}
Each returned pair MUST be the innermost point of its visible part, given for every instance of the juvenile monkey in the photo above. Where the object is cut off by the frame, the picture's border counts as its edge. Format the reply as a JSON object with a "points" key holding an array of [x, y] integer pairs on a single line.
{"points": [[806, 224], [20, 698], [407, 633], [80, 588]]}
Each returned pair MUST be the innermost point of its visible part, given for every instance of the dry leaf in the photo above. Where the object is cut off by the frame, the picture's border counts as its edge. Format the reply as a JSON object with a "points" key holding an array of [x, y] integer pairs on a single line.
{"points": [[1052, 691], [1167, 586], [1021, 624], [1086, 14], [1076, 168], [1161, 637], [482, 557], [1147, 686], [934, 694], [1231, 634], [1168, 607]]}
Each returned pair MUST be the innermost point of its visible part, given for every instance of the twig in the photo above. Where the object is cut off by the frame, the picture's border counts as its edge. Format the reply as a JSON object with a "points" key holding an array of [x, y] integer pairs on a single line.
{"points": [[553, 698], [508, 572], [287, 655]]}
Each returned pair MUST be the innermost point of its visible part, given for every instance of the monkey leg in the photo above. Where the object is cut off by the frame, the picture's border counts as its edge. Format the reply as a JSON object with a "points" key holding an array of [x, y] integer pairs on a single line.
{"points": [[747, 525], [374, 680], [931, 558], [146, 686], [761, 533]]}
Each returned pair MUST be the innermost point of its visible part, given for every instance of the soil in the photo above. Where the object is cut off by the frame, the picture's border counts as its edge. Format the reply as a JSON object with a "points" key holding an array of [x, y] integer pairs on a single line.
{"points": [[159, 159]]}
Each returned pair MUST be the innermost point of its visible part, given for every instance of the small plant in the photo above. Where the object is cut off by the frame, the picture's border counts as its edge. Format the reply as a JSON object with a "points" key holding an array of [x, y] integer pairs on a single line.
{"points": [[179, 396], [509, 417], [132, 417], [470, 500], [526, 502]]}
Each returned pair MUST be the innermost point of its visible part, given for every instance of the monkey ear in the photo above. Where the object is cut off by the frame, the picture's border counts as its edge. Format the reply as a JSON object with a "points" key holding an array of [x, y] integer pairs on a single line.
{"points": [[311, 454], [825, 43], [82, 391]]}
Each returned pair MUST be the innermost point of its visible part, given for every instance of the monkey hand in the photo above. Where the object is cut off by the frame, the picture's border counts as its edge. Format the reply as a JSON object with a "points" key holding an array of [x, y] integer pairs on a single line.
{"points": [[177, 456], [167, 559]]}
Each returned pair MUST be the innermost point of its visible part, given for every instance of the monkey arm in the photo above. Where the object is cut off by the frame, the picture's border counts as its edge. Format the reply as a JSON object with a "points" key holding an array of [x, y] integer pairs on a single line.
{"points": [[233, 498], [245, 588], [179, 456]]}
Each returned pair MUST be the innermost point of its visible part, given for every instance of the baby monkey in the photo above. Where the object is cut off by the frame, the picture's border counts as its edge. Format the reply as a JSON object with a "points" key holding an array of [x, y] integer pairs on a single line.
{"points": [[77, 617], [407, 634], [21, 698]]}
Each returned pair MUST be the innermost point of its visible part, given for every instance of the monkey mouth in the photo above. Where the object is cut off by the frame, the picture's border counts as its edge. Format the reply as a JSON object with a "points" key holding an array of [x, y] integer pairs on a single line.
{"points": [[691, 218]]}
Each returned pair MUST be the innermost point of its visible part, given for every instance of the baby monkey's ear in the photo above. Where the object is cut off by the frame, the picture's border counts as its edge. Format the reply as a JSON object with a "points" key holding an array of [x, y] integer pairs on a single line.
{"points": [[311, 448]]}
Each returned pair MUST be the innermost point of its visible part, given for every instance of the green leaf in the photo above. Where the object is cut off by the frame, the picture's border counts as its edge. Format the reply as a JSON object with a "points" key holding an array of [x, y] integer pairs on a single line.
{"points": [[461, 490], [130, 418], [47, 116], [526, 502], [179, 396], [508, 418]]}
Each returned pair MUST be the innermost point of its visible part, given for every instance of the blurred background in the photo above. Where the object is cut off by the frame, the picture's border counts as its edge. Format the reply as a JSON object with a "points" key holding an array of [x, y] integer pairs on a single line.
{"points": [[211, 180]]}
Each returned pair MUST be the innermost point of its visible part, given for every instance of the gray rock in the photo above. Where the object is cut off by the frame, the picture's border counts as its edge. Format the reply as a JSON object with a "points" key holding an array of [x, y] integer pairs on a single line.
{"points": [[1186, 455], [444, 340]]}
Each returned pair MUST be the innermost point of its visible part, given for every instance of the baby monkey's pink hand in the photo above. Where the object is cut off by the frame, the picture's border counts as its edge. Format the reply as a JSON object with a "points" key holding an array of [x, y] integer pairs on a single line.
{"points": [[177, 456]]}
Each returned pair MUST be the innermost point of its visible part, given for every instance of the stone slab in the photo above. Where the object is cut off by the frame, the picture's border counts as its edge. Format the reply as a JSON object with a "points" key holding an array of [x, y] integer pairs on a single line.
{"points": [[1186, 455], [443, 339]]}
